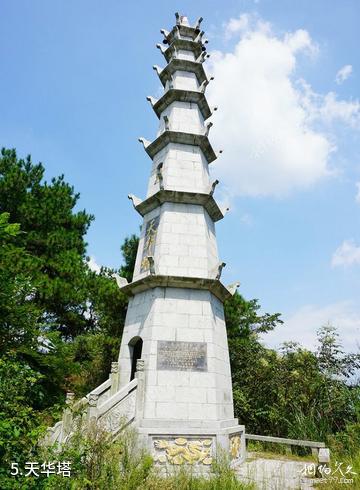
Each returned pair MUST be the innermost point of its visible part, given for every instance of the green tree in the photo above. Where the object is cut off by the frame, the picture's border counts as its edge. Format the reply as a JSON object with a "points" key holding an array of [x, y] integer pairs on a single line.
{"points": [[333, 361], [128, 250], [21, 424], [53, 235], [243, 319], [18, 315], [60, 323], [289, 393]]}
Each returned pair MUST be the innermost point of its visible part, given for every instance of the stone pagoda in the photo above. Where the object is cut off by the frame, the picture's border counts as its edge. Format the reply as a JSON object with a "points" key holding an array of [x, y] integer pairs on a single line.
{"points": [[173, 379]]}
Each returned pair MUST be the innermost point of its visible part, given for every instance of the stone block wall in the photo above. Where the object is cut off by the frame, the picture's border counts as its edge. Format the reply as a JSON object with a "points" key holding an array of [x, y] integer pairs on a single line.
{"points": [[182, 315]]}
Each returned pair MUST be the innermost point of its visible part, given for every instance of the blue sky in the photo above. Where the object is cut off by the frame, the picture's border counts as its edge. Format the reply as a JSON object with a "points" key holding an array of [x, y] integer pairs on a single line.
{"points": [[73, 84]]}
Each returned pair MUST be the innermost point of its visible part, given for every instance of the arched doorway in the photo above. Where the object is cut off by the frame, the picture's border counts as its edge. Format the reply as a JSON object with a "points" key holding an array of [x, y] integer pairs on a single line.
{"points": [[135, 346]]}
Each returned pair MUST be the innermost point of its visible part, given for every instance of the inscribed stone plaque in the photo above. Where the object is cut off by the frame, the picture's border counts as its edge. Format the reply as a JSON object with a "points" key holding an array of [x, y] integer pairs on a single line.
{"points": [[181, 356]]}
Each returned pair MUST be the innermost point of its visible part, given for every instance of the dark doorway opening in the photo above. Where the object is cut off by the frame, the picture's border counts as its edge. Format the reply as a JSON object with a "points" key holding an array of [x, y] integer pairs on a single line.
{"points": [[135, 346]]}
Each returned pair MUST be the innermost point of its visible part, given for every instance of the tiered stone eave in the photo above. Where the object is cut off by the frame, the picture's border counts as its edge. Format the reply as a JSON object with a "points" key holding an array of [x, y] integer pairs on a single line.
{"points": [[183, 31], [167, 195], [183, 44], [178, 64], [158, 280], [181, 137], [180, 95]]}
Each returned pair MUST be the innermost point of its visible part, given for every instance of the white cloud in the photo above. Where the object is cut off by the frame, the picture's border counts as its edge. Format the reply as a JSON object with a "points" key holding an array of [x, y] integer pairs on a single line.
{"points": [[265, 119], [343, 74], [235, 26], [300, 40], [301, 326], [357, 197], [93, 265], [346, 255], [342, 110], [328, 108]]}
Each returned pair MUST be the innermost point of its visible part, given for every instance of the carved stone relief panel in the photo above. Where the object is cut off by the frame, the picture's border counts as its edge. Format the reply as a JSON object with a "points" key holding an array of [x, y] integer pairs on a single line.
{"points": [[183, 450], [235, 446], [149, 242]]}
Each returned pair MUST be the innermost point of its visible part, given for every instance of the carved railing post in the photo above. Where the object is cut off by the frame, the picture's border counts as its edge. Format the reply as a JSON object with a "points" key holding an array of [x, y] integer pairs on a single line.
{"points": [[67, 413], [92, 407], [140, 391], [114, 376]]}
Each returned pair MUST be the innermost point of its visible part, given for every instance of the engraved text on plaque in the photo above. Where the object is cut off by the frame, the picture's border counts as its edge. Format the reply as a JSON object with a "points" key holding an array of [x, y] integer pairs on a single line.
{"points": [[181, 356]]}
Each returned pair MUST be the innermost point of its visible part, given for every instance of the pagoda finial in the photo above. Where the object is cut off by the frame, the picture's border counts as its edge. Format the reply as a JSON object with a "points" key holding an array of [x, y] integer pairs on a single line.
{"points": [[181, 20]]}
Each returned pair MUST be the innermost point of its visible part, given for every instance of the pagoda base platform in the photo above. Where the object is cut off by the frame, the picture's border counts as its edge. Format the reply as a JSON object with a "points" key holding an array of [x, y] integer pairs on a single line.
{"points": [[174, 443]]}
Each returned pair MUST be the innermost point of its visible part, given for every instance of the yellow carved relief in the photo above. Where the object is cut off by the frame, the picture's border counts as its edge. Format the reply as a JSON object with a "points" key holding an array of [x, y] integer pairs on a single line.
{"points": [[184, 451], [235, 445], [149, 242]]}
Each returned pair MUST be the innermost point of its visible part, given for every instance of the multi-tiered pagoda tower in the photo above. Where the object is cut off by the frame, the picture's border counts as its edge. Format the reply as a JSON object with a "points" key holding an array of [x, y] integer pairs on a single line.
{"points": [[175, 329], [173, 378]]}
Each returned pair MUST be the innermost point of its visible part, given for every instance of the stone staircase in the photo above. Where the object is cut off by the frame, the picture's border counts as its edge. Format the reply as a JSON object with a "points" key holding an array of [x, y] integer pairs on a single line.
{"points": [[108, 404]]}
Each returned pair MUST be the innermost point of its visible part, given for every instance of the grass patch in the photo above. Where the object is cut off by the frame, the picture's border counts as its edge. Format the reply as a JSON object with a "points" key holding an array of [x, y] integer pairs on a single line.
{"points": [[282, 457], [348, 465], [279, 451], [97, 462]]}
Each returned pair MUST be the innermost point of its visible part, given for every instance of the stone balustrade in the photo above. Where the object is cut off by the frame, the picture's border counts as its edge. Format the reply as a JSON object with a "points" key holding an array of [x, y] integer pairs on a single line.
{"points": [[107, 404]]}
